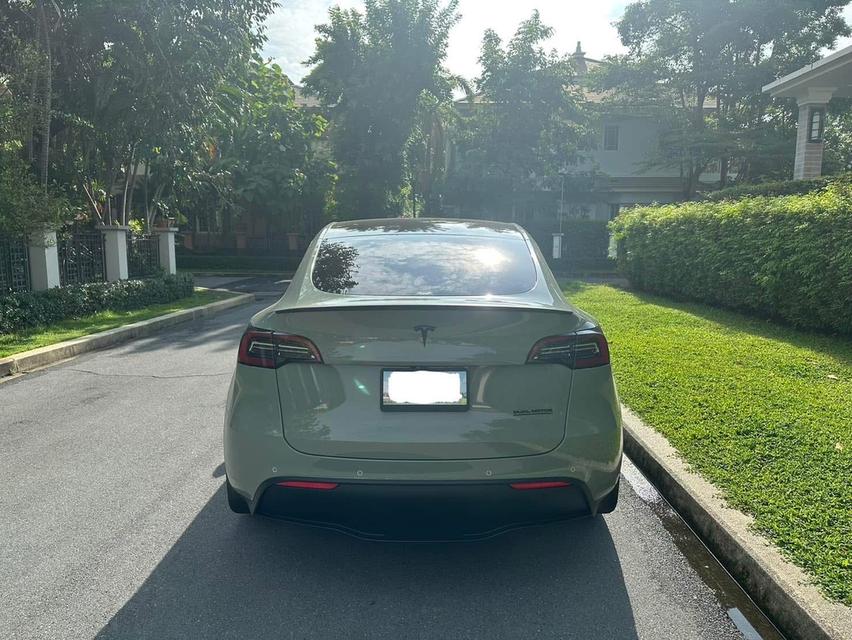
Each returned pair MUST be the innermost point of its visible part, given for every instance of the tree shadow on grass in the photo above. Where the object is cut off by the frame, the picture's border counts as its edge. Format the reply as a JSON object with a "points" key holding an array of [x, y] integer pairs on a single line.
{"points": [[242, 577], [834, 346]]}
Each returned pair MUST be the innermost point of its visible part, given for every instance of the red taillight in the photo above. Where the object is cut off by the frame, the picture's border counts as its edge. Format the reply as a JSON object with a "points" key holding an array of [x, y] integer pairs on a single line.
{"points": [[271, 350], [303, 484], [579, 350], [531, 486]]}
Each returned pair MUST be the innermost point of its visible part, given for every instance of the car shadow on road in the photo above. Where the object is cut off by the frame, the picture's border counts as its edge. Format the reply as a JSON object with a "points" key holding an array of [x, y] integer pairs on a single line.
{"points": [[232, 576], [210, 334]]}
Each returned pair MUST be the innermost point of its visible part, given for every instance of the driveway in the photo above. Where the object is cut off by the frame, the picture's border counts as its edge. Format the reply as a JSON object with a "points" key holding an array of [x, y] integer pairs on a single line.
{"points": [[114, 525]]}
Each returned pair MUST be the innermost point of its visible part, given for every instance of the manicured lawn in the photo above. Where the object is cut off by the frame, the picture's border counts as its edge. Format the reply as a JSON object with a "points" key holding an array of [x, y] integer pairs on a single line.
{"points": [[764, 412], [12, 343]]}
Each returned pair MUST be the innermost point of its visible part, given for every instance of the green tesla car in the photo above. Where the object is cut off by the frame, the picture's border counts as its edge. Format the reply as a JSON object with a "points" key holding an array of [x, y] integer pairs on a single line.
{"points": [[423, 379]]}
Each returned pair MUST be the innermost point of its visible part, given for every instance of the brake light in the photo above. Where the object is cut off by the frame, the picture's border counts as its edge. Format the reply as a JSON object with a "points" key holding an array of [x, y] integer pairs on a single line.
{"points": [[532, 486], [579, 350], [302, 484], [271, 350]]}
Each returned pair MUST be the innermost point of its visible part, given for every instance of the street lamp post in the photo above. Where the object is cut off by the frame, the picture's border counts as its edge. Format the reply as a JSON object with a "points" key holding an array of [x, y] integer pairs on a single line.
{"points": [[557, 237]]}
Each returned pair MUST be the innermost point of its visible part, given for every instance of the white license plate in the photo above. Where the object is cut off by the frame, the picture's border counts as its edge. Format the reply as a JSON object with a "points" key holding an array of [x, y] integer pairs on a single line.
{"points": [[424, 390]]}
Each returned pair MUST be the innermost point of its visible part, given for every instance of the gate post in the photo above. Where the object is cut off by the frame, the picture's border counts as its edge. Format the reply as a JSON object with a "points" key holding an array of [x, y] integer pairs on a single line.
{"points": [[44, 260], [166, 239], [115, 252]]}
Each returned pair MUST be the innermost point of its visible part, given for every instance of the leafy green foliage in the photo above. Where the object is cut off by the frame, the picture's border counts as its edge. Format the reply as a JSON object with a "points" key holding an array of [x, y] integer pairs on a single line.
{"points": [[42, 336], [133, 88], [774, 188], [527, 123], [262, 158], [837, 155], [762, 411], [25, 204], [373, 71], [788, 257], [39, 308]]}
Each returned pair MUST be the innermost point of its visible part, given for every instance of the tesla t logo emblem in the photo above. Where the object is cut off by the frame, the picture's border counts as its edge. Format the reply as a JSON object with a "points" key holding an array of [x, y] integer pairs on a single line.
{"points": [[424, 330]]}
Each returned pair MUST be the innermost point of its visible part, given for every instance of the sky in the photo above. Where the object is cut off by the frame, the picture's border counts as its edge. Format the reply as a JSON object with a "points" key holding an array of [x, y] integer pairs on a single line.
{"points": [[291, 28]]}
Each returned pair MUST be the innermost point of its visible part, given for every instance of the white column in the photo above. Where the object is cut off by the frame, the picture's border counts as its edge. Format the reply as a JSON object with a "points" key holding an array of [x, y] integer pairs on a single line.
{"points": [[44, 260], [115, 252], [166, 239], [809, 154]]}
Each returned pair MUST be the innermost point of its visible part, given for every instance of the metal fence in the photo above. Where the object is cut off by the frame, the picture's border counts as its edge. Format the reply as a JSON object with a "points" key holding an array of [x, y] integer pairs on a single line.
{"points": [[143, 256], [14, 265], [81, 257]]}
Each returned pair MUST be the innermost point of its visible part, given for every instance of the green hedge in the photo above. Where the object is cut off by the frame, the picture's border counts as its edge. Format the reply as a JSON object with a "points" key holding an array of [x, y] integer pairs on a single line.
{"points": [[212, 262], [776, 188], [788, 257], [29, 309]]}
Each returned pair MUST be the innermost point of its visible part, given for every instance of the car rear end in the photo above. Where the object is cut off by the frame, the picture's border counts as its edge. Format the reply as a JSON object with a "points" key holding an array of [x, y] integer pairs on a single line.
{"points": [[423, 382]]}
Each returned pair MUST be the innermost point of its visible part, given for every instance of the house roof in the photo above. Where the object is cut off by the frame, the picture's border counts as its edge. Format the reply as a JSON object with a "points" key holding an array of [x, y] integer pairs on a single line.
{"points": [[305, 100], [832, 73]]}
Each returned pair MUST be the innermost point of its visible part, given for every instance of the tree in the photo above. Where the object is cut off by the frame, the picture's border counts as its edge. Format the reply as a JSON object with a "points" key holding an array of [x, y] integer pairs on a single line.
{"points": [[527, 124], [373, 71], [838, 137], [427, 150], [134, 84], [29, 201], [698, 66], [262, 158]]}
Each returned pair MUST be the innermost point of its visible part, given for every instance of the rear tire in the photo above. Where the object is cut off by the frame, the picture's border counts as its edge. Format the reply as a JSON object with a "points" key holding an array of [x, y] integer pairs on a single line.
{"points": [[607, 505], [237, 503]]}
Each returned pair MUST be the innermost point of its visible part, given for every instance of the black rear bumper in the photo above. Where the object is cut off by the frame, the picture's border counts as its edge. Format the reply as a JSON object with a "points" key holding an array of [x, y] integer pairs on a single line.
{"points": [[423, 511]]}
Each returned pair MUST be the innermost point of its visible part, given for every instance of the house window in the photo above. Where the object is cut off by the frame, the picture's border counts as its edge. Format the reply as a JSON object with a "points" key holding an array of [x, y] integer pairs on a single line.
{"points": [[816, 125], [579, 211], [611, 137]]}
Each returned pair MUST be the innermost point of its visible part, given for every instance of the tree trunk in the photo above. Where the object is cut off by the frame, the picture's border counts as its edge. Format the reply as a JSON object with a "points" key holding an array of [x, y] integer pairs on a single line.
{"points": [[48, 94], [32, 110]]}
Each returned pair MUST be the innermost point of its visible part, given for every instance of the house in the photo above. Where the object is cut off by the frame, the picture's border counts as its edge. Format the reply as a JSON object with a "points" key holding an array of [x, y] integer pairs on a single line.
{"points": [[619, 174], [812, 87]]}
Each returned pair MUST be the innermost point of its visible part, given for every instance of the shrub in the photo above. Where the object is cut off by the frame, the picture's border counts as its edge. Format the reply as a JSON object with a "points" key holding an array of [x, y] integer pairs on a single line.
{"points": [[787, 257], [23, 310], [776, 188]]}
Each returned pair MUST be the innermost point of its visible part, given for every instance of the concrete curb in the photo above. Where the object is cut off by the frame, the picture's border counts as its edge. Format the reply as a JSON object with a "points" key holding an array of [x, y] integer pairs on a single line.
{"points": [[781, 589], [37, 358]]}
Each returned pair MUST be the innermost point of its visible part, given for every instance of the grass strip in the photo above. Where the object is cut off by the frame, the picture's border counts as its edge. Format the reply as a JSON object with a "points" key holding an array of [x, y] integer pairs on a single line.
{"points": [[762, 411], [12, 343]]}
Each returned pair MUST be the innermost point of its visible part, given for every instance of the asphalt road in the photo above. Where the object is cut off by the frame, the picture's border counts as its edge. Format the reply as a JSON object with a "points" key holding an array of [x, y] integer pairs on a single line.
{"points": [[113, 524]]}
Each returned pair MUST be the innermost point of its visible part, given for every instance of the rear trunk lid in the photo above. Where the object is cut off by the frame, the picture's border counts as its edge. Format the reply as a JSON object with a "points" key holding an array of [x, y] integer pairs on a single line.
{"points": [[335, 408]]}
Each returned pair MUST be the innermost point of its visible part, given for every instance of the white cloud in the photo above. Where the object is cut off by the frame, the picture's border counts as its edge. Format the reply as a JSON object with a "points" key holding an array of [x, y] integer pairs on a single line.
{"points": [[845, 42], [291, 32], [291, 28]]}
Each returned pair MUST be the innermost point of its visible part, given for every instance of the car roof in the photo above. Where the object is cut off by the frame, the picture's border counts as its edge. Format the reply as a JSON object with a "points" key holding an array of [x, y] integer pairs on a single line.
{"points": [[443, 226]]}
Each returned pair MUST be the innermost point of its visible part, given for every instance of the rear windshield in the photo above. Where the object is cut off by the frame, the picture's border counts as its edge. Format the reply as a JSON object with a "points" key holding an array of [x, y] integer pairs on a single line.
{"points": [[424, 265]]}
